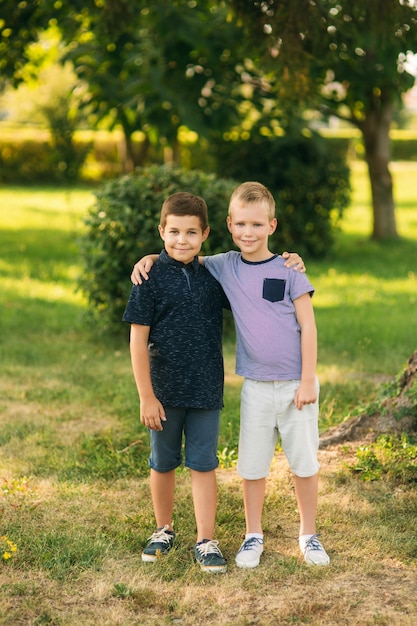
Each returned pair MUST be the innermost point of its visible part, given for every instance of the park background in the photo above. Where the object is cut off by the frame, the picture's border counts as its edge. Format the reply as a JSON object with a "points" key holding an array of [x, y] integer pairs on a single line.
{"points": [[74, 494]]}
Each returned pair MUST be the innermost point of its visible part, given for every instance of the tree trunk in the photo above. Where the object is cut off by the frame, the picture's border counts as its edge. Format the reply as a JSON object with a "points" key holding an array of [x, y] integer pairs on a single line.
{"points": [[128, 161], [395, 414], [375, 130], [141, 154]]}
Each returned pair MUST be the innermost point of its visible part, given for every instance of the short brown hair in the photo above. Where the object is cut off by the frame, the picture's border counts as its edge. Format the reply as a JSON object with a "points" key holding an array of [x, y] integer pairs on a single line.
{"points": [[255, 193], [184, 203]]}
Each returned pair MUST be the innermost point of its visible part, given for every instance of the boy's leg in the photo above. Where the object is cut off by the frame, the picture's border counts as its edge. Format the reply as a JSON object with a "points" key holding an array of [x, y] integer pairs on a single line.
{"points": [[253, 498], [201, 438], [204, 490], [164, 458], [306, 492], [250, 551], [162, 490], [206, 551], [300, 442], [257, 441]]}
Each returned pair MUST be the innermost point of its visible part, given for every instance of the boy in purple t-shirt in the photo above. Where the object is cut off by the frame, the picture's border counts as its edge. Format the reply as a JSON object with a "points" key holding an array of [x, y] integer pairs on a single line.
{"points": [[276, 354]]}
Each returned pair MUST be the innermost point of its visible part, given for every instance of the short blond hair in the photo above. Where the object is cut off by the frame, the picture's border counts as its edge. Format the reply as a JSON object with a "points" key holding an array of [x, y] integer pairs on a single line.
{"points": [[254, 193]]}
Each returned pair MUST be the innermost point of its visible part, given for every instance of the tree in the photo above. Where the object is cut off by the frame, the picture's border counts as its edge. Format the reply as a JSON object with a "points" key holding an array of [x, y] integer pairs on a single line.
{"points": [[154, 67], [347, 58], [20, 23], [150, 67]]}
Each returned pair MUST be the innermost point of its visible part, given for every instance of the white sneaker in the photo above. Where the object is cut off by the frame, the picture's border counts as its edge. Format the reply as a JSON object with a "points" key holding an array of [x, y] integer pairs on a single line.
{"points": [[314, 553], [250, 552]]}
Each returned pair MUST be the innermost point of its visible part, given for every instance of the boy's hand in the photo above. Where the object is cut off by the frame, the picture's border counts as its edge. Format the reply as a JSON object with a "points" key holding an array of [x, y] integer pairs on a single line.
{"points": [[141, 269], [305, 394], [152, 414], [295, 261]]}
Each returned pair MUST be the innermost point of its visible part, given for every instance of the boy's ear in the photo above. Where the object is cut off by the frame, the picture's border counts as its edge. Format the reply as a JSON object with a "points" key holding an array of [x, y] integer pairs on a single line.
{"points": [[273, 226], [229, 223], [206, 233], [161, 232]]}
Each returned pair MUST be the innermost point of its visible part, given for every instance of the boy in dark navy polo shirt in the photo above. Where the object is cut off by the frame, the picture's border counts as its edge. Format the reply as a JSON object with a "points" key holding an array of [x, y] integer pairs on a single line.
{"points": [[177, 361]]}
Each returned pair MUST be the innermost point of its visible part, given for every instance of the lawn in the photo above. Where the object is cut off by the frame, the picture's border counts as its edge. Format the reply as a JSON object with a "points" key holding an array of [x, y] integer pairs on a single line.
{"points": [[74, 491]]}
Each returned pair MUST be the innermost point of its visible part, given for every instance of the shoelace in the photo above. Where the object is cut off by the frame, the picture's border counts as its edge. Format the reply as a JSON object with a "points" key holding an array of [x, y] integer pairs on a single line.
{"points": [[161, 536], [209, 547], [313, 544], [251, 543]]}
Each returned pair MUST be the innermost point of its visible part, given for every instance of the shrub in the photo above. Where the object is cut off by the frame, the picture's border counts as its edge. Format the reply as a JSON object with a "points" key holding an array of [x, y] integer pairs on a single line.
{"points": [[122, 227], [391, 456], [41, 160], [309, 178]]}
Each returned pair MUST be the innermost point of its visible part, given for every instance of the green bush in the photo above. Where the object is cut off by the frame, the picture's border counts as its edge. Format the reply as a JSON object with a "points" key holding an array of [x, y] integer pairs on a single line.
{"points": [[309, 178], [391, 456], [122, 226], [41, 160]]}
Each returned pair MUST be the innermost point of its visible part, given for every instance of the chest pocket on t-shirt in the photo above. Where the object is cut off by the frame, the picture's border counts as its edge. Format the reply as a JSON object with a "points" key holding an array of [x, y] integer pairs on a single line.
{"points": [[273, 289]]}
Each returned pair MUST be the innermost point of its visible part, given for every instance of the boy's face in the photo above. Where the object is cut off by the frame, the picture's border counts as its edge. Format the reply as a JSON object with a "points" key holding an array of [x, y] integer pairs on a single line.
{"points": [[183, 237], [251, 226]]}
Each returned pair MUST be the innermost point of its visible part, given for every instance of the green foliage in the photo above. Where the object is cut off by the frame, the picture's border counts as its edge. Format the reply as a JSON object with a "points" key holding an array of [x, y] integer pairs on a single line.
{"points": [[66, 155], [157, 74], [27, 161], [394, 457], [122, 227], [32, 161], [309, 180]]}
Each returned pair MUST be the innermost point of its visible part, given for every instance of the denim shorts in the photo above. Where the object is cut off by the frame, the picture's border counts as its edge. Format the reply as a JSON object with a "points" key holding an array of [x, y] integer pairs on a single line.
{"points": [[200, 428], [267, 410]]}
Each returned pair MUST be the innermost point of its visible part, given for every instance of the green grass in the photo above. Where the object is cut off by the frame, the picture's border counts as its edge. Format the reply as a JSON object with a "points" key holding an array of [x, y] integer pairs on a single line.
{"points": [[74, 493]]}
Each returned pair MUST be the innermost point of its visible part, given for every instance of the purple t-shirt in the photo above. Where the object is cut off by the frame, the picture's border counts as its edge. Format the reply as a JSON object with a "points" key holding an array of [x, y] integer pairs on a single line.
{"points": [[262, 298]]}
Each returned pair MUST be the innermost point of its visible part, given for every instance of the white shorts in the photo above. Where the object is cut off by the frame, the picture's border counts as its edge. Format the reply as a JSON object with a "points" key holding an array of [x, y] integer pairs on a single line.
{"points": [[266, 410]]}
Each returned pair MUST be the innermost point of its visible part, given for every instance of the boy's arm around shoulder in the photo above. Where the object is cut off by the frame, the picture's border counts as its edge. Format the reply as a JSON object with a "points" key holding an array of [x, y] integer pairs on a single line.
{"points": [[142, 268], [152, 412], [307, 391]]}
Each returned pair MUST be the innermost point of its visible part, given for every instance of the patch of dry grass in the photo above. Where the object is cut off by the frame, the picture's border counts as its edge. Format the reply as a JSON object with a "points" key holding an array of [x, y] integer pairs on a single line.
{"points": [[79, 546]]}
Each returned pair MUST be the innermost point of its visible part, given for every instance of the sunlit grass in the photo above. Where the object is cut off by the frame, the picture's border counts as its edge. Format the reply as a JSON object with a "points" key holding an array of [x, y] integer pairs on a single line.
{"points": [[366, 291]]}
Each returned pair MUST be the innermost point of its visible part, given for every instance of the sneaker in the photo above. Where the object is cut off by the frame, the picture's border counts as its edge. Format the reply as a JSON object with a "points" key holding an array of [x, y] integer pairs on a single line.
{"points": [[209, 557], [250, 552], [159, 544], [314, 553]]}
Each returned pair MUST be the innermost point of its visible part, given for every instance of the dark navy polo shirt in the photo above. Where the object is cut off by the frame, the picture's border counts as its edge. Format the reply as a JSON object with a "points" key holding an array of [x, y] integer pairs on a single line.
{"points": [[182, 304]]}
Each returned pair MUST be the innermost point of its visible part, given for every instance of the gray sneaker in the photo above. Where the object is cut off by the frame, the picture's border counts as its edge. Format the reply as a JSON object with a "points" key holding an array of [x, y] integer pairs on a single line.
{"points": [[209, 557], [314, 553], [159, 544], [250, 552]]}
